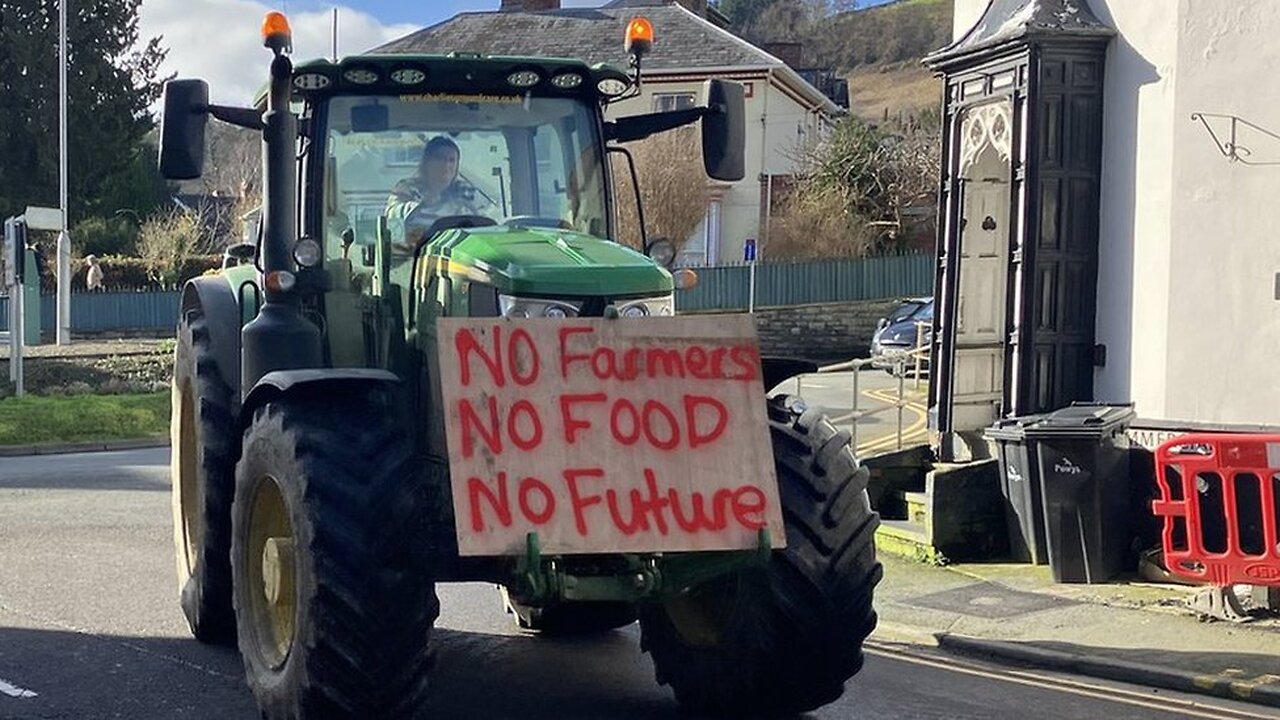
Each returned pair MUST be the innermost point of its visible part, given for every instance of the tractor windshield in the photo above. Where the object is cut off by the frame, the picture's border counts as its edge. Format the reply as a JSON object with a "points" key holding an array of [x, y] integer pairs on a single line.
{"points": [[414, 160]]}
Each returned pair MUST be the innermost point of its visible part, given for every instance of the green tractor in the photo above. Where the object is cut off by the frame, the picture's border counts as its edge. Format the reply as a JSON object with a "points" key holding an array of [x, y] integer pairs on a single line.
{"points": [[313, 436]]}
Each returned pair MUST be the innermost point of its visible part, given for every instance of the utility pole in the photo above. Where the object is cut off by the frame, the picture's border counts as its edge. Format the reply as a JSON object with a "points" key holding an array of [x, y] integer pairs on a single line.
{"points": [[64, 240]]}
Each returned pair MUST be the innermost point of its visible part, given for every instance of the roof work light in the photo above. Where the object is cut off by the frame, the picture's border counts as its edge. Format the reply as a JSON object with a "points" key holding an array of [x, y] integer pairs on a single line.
{"points": [[276, 33], [639, 36]]}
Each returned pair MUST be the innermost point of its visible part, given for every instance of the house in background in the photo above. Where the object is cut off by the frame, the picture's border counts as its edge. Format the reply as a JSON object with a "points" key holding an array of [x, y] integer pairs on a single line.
{"points": [[1108, 214], [784, 111]]}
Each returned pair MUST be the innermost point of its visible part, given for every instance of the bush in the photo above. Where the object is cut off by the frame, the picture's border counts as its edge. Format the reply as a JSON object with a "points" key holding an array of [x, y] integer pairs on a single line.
{"points": [[104, 236], [169, 240], [133, 274], [863, 190]]}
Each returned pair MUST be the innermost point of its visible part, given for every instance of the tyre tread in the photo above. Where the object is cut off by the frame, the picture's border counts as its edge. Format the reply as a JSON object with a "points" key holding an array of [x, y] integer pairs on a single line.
{"points": [[374, 603], [796, 629]]}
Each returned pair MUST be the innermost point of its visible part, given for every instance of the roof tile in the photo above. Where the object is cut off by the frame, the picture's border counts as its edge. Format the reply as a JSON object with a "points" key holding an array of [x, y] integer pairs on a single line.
{"points": [[682, 40]]}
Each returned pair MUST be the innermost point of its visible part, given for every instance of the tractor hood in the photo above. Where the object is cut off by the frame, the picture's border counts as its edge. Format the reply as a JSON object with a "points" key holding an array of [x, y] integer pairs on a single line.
{"points": [[548, 261]]}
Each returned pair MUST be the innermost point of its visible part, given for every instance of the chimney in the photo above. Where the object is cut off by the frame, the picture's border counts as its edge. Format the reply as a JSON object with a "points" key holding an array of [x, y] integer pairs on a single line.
{"points": [[697, 7], [791, 53], [528, 5]]}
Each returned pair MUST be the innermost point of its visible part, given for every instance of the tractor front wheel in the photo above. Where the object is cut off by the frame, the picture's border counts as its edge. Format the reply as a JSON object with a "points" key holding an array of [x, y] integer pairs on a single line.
{"points": [[202, 468], [782, 638], [334, 603]]}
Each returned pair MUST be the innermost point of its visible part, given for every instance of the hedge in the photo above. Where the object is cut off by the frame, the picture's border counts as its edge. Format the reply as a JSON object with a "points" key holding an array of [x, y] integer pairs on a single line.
{"points": [[132, 273]]}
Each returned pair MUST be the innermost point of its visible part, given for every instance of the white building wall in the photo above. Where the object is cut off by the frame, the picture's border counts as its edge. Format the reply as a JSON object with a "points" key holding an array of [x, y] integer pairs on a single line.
{"points": [[772, 137], [1139, 122], [1223, 320], [966, 15]]}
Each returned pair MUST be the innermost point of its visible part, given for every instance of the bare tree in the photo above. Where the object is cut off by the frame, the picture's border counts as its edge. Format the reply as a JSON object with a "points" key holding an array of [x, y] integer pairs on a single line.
{"points": [[861, 191], [673, 188], [169, 239], [233, 168]]}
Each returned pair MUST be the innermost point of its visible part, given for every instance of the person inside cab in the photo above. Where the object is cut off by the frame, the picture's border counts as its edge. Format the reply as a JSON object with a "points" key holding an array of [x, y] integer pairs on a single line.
{"points": [[435, 192]]}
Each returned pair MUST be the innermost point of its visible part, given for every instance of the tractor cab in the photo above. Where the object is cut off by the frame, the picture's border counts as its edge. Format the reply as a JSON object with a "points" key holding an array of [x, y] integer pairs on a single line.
{"points": [[442, 185]]}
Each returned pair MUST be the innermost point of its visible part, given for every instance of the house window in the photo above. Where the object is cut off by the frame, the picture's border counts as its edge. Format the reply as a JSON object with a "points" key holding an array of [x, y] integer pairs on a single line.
{"points": [[666, 102], [404, 152]]}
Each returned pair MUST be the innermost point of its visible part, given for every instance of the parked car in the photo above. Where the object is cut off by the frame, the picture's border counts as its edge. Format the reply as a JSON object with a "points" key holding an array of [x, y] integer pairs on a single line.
{"points": [[896, 333]]}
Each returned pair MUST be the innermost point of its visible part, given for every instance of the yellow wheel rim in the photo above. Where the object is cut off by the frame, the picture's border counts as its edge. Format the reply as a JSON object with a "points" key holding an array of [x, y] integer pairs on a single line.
{"points": [[271, 574], [186, 465], [699, 614]]}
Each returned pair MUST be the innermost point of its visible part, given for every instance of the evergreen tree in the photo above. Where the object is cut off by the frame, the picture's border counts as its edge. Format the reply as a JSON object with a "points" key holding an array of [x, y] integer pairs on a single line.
{"points": [[112, 82]]}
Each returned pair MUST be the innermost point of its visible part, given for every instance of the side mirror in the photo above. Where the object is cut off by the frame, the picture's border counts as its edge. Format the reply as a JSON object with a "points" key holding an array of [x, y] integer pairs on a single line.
{"points": [[186, 108], [724, 130]]}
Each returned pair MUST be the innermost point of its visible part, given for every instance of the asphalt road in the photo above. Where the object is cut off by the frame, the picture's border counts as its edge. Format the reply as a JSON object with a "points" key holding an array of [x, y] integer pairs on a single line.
{"points": [[90, 628], [876, 430]]}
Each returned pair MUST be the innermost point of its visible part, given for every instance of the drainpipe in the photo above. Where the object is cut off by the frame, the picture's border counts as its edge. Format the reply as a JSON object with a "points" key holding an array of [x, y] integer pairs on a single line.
{"points": [[764, 159]]}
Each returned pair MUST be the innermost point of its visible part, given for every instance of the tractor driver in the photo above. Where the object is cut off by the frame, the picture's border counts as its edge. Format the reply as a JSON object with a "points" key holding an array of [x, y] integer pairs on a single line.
{"points": [[435, 192]]}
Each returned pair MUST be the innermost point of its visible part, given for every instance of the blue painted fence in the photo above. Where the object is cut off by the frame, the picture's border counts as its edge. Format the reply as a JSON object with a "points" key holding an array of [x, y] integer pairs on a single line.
{"points": [[804, 283], [719, 288], [116, 311]]}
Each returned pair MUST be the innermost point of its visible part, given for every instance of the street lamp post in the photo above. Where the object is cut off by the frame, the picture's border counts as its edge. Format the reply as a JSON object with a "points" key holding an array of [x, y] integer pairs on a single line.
{"points": [[64, 239]]}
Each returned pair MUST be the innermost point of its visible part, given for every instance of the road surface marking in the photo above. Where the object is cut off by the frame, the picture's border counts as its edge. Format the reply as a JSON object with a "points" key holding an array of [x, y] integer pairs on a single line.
{"points": [[1184, 708], [15, 691], [910, 432]]}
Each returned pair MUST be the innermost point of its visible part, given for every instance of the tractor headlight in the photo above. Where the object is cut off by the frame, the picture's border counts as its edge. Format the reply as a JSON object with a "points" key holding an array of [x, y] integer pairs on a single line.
{"points": [[307, 252], [661, 306], [520, 307]]}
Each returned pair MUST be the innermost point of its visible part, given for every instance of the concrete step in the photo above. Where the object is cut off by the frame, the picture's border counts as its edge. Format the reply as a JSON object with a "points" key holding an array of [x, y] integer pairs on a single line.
{"points": [[959, 515], [906, 539], [917, 508]]}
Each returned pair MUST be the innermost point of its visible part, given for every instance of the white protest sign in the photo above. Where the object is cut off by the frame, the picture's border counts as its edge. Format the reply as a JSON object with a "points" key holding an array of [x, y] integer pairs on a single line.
{"points": [[607, 436]]}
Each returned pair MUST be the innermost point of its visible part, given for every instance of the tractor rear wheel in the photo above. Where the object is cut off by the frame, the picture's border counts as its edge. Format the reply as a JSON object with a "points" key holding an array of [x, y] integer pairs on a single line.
{"points": [[202, 468], [570, 618], [784, 637], [333, 597]]}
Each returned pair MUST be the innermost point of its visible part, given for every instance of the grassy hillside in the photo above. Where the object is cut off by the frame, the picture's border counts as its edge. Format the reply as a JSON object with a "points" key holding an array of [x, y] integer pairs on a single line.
{"points": [[880, 48], [898, 90], [887, 34]]}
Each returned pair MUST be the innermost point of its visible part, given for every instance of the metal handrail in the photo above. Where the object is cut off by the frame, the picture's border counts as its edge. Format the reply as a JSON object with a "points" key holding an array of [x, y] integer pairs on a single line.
{"points": [[900, 361]]}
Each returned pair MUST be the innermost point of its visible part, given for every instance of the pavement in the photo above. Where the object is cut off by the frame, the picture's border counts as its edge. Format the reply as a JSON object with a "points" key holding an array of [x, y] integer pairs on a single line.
{"points": [[1127, 630], [97, 347], [1133, 632], [82, 447]]}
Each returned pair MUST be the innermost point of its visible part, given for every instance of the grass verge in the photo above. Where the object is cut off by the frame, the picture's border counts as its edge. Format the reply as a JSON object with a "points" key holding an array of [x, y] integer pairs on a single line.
{"points": [[34, 420]]}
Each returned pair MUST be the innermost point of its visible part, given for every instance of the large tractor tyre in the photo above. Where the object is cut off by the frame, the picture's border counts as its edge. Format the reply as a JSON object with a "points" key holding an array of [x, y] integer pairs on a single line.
{"points": [[570, 618], [781, 638], [202, 468], [333, 596]]}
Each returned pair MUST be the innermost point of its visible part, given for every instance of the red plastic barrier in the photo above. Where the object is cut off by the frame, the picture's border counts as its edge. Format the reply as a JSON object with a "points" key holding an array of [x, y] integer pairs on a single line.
{"points": [[1218, 500]]}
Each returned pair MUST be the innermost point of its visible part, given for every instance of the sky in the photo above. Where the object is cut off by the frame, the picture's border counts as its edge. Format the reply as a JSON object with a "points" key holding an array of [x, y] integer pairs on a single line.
{"points": [[218, 41]]}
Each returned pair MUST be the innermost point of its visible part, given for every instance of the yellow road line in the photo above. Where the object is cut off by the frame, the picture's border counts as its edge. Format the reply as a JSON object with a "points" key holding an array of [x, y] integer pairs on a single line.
{"points": [[919, 428], [1065, 685]]}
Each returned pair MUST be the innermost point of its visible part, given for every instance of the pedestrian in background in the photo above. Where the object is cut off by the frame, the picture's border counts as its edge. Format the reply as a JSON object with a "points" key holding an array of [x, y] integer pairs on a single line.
{"points": [[93, 276]]}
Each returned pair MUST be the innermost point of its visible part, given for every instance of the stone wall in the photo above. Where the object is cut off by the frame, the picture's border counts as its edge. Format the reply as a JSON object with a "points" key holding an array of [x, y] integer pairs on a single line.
{"points": [[824, 332]]}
